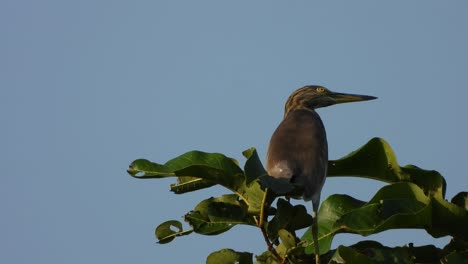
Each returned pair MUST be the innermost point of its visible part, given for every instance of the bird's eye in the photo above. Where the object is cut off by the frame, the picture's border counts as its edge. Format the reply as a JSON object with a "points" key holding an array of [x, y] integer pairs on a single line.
{"points": [[320, 89]]}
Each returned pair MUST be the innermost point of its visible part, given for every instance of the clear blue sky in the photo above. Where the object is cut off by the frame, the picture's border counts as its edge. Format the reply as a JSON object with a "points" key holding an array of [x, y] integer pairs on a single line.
{"points": [[86, 87]]}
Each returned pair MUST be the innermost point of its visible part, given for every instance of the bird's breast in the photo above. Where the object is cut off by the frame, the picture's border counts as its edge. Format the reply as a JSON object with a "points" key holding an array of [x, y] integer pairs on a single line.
{"points": [[298, 149]]}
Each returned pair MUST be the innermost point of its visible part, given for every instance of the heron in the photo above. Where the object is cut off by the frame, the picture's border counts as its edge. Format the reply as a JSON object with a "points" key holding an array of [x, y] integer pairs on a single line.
{"points": [[298, 149]]}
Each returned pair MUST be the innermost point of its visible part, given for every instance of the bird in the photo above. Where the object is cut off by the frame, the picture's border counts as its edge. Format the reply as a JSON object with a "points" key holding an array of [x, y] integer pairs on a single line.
{"points": [[298, 148]]}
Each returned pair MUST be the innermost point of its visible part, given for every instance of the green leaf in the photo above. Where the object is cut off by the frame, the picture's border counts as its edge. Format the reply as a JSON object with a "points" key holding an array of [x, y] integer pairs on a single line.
{"points": [[456, 245], [142, 168], [229, 256], [400, 205], [456, 257], [287, 239], [252, 194], [165, 234], [461, 199], [331, 210], [432, 183], [217, 215], [253, 167], [348, 255], [204, 226], [288, 217], [189, 184], [414, 199], [195, 170], [213, 167], [227, 208], [266, 258], [373, 252], [376, 160], [278, 185], [447, 219]]}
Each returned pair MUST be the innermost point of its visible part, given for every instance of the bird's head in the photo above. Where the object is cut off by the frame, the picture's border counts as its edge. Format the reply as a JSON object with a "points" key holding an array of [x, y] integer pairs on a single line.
{"points": [[314, 96]]}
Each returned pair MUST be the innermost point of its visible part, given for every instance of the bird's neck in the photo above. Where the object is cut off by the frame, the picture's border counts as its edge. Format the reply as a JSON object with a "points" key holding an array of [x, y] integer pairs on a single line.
{"points": [[287, 111]]}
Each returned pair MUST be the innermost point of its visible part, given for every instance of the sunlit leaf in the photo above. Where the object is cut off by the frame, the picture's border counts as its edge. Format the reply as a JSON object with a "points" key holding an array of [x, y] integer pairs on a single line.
{"points": [[447, 219], [229, 256], [376, 160], [217, 215], [211, 168], [142, 168], [165, 232], [400, 205], [189, 184], [287, 239], [204, 226]]}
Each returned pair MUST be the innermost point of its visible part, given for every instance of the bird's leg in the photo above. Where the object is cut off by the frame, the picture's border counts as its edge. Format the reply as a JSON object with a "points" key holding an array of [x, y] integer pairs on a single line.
{"points": [[261, 225], [315, 231]]}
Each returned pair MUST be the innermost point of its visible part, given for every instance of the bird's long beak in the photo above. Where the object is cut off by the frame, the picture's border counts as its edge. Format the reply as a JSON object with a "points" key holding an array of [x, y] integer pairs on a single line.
{"points": [[346, 98]]}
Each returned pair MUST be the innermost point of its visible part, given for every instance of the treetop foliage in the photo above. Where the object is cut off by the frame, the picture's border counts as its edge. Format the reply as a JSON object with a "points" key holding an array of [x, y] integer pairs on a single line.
{"points": [[412, 198]]}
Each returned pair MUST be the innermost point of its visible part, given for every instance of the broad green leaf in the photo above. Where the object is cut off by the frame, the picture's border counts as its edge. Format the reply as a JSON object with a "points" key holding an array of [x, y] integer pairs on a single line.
{"points": [[432, 183], [461, 199], [377, 253], [211, 168], [266, 258], [226, 208], [447, 219], [253, 167], [331, 210], [189, 184], [229, 256], [252, 194], [456, 257], [288, 217], [216, 215], [287, 239], [423, 254], [456, 245], [199, 158], [166, 234], [196, 170], [228, 178], [142, 168], [202, 225], [400, 205], [292, 251], [278, 186], [348, 255], [372, 252], [380, 254], [376, 160]]}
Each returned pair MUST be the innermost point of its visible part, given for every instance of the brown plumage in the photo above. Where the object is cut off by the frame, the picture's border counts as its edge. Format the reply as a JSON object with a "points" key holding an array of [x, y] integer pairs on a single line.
{"points": [[298, 148]]}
